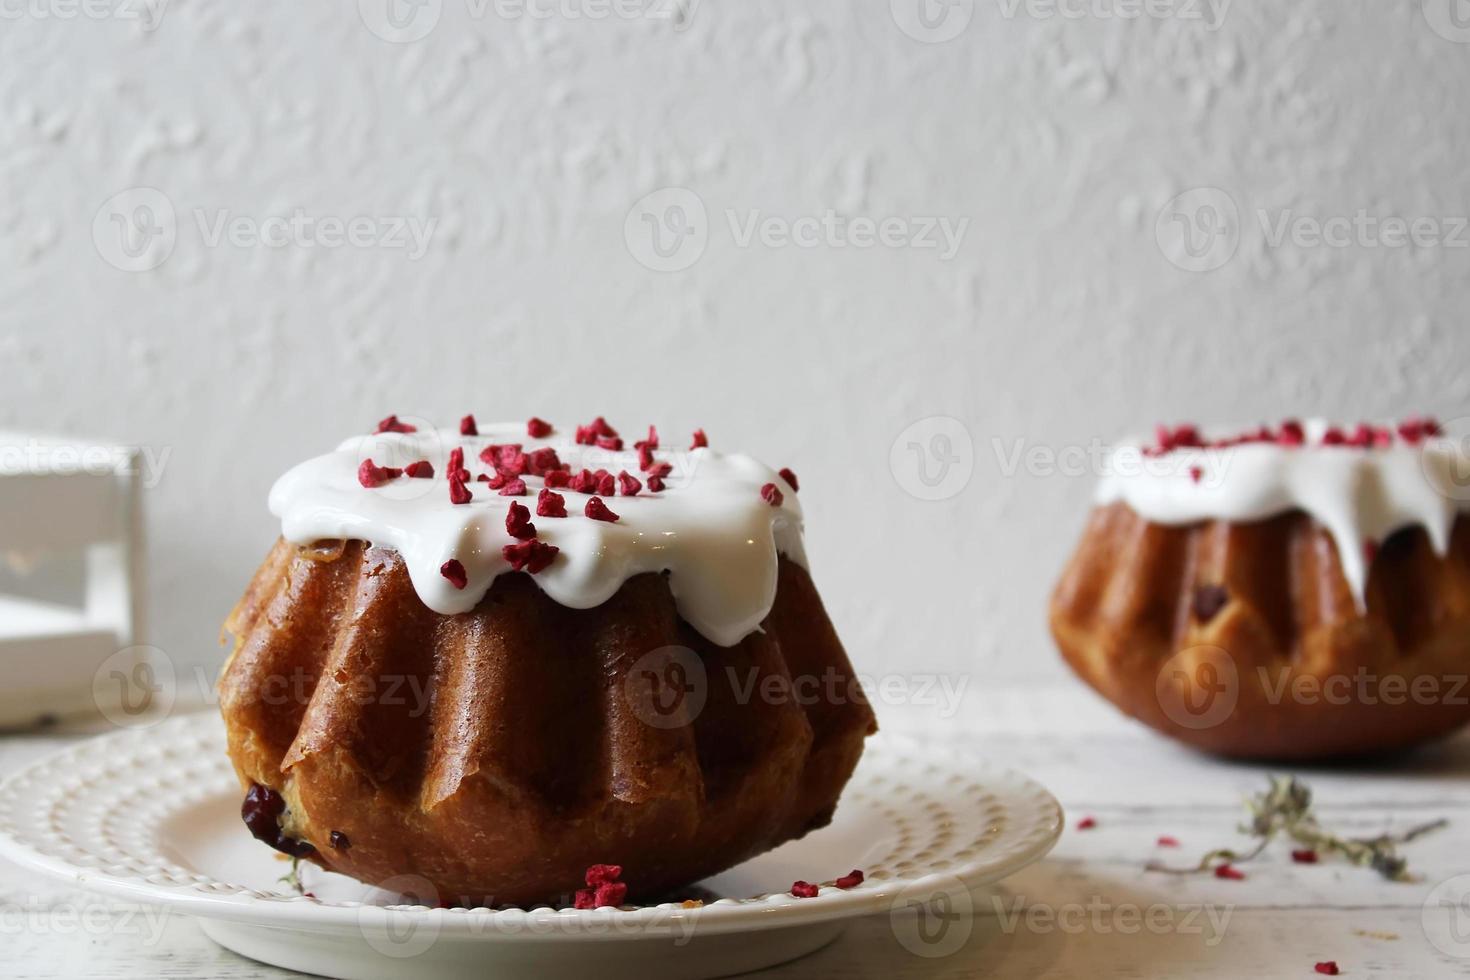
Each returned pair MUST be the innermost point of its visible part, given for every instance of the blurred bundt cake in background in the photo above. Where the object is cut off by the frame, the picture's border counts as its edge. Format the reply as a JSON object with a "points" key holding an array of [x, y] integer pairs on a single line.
{"points": [[580, 655], [1297, 592]]}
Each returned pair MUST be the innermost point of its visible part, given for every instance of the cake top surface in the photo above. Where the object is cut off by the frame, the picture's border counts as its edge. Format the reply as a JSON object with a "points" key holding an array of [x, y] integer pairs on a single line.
{"points": [[579, 509], [1361, 483]]}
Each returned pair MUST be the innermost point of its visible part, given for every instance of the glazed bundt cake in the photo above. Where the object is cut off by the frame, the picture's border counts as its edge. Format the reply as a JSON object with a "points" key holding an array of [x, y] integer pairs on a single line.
{"points": [[579, 655], [1296, 593]]}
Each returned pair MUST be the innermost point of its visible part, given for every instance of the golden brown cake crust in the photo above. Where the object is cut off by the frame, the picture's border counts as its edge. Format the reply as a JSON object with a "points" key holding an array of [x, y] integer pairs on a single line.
{"points": [[499, 753], [1244, 639]]}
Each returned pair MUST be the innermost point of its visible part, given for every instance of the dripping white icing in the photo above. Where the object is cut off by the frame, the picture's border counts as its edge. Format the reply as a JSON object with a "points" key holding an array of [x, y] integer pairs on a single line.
{"points": [[1358, 495], [710, 528]]}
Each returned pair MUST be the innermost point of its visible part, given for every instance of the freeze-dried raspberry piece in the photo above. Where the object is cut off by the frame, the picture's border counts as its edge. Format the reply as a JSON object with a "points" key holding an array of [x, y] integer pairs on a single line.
{"points": [[790, 478], [1361, 437], [607, 484], [454, 571], [649, 443], [391, 424], [628, 485], [459, 493], [655, 484], [601, 874], [549, 504], [421, 470], [538, 428], [1188, 436], [611, 894], [467, 426], [804, 889], [611, 443], [518, 522], [541, 556], [1292, 433], [539, 462], [514, 487], [558, 478], [583, 482], [597, 510], [1415, 430], [1179, 437], [455, 468], [603, 888], [645, 457], [499, 455], [1261, 434], [512, 461], [700, 440], [588, 435], [532, 556], [371, 475], [772, 495], [850, 880]]}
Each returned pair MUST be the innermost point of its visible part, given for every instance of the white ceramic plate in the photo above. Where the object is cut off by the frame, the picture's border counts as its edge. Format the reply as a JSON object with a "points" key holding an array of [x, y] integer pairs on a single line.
{"points": [[152, 815]]}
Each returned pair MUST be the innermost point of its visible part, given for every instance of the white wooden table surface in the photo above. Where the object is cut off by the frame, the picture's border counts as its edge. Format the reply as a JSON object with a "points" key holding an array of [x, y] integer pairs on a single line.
{"points": [[1089, 910]]}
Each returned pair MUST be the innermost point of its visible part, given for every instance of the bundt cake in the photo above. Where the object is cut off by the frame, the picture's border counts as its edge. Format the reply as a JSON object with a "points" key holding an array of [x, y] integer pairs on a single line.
{"points": [[1298, 592], [579, 656]]}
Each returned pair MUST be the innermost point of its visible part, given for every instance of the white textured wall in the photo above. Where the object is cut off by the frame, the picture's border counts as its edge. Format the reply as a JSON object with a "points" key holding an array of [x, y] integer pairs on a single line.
{"points": [[1060, 318]]}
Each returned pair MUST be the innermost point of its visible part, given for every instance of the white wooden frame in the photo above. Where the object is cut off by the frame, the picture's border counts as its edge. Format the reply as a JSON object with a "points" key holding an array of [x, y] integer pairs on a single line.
{"points": [[60, 496]]}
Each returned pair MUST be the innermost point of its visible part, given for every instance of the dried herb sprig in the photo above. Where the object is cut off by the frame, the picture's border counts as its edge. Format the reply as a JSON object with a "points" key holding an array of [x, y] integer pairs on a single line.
{"points": [[292, 878], [1286, 808]]}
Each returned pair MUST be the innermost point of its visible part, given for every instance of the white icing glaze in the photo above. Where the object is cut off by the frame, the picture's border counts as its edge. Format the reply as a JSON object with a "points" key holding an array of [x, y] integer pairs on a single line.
{"points": [[1358, 495], [710, 528]]}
